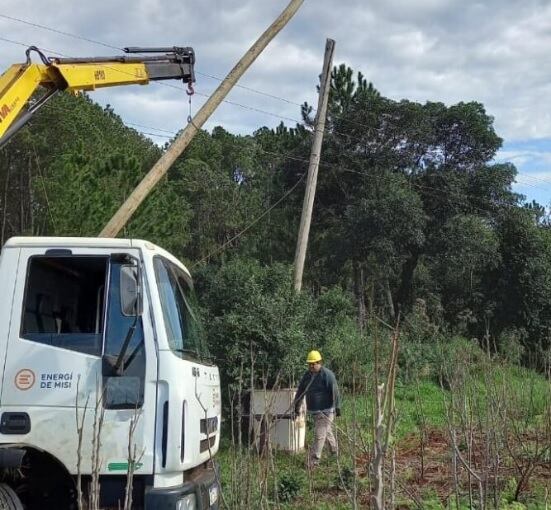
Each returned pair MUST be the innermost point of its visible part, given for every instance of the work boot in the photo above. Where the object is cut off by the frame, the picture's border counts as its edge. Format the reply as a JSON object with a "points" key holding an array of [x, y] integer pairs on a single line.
{"points": [[312, 462]]}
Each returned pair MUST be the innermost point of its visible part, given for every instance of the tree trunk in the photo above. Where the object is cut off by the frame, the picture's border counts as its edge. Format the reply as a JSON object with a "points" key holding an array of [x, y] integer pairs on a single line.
{"points": [[5, 204], [403, 298], [359, 290], [31, 197], [389, 300], [21, 205], [377, 497]]}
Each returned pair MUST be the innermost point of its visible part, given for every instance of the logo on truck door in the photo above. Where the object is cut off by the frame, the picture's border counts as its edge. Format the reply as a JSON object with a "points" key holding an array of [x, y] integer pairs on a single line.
{"points": [[24, 379]]}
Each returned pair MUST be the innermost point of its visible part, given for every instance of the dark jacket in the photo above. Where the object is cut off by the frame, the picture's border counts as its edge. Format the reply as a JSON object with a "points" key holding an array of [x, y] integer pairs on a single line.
{"points": [[321, 391]]}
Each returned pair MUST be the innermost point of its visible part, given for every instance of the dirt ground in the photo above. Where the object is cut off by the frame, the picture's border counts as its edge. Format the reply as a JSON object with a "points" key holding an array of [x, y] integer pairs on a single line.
{"points": [[428, 467]]}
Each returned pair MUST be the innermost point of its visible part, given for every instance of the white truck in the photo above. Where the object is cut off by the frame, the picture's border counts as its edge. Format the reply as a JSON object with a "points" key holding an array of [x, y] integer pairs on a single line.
{"points": [[103, 330]]}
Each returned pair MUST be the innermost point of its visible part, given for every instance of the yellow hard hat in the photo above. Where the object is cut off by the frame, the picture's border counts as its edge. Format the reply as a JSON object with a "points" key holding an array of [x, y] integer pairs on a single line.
{"points": [[313, 357]]}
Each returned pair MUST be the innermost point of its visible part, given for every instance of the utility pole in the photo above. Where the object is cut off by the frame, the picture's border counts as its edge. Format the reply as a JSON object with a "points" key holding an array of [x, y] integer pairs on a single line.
{"points": [[315, 153], [121, 217]]}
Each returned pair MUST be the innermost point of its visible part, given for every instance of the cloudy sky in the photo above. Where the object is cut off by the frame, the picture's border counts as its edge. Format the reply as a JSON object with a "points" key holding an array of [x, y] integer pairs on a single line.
{"points": [[497, 52]]}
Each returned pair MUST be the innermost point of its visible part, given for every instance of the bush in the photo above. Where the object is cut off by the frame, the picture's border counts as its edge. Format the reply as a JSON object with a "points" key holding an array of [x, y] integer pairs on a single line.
{"points": [[510, 345], [345, 478], [335, 333], [289, 486], [253, 310], [418, 327], [421, 344]]}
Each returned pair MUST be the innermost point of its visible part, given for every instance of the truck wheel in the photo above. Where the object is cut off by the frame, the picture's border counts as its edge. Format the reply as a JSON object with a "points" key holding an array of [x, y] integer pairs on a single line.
{"points": [[9, 499]]}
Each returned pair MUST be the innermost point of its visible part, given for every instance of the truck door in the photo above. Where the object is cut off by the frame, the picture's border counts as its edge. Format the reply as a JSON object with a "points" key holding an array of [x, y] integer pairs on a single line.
{"points": [[75, 342]]}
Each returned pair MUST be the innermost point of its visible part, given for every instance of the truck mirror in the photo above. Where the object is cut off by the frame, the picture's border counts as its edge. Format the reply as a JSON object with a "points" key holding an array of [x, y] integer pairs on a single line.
{"points": [[131, 302], [122, 392]]}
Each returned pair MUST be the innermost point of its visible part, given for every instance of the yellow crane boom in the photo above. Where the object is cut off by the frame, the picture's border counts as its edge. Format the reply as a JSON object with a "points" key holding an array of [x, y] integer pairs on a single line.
{"points": [[21, 81]]}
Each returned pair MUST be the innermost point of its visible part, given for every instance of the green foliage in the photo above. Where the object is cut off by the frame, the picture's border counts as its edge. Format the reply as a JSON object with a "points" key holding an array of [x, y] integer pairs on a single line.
{"points": [[524, 282], [345, 478], [85, 190], [218, 176], [334, 331], [254, 315], [409, 208], [289, 485], [468, 249], [412, 218], [511, 347], [420, 345]]}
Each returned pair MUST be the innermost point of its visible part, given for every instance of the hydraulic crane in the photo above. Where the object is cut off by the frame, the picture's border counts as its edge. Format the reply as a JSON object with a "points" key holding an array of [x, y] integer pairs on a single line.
{"points": [[140, 66], [107, 321]]}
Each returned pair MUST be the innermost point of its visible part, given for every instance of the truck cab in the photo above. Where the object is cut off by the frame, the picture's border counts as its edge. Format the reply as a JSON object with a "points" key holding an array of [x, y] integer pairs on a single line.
{"points": [[106, 388]]}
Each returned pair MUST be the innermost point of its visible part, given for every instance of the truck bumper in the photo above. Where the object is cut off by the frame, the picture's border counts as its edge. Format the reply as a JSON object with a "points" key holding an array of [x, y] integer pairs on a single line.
{"points": [[200, 492]]}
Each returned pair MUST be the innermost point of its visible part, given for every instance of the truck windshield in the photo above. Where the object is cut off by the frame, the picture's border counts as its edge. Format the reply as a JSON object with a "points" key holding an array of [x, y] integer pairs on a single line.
{"points": [[180, 312]]}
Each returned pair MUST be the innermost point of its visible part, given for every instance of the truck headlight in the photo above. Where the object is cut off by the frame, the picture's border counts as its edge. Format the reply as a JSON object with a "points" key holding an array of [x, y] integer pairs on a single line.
{"points": [[188, 502]]}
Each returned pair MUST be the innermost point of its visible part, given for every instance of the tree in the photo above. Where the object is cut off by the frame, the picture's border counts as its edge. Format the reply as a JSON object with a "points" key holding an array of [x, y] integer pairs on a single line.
{"points": [[466, 253], [523, 284]]}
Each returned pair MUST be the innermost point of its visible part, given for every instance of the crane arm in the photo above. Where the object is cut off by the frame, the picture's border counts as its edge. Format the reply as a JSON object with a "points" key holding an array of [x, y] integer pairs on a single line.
{"points": [[20, 81]]}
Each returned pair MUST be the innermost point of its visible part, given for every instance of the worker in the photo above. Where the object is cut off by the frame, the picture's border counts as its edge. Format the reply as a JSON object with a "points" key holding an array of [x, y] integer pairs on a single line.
{"points": [[323, 403]]}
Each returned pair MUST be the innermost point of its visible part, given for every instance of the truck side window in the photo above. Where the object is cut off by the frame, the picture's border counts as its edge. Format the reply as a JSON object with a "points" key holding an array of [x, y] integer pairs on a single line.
{"points": [[182, 324], [124, 388], [64, 301]]}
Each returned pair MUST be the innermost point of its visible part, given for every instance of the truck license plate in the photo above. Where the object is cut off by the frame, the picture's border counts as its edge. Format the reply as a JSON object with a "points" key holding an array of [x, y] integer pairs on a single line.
{"points": [[213, 494]]}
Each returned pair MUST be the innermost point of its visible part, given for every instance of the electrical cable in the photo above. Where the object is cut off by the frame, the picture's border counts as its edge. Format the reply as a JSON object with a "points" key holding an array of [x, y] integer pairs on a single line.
{"points": [[164, 84], [211, 76], [250, 108]]}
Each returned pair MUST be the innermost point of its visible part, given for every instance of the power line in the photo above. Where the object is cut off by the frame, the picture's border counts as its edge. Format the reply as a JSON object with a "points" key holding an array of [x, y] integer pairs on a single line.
{"points": [[326, 165], [254, 109], [244, 87], [430, 189], [94, 41], [252, 224], [255, 91], [162, 83], [51, 29], [27, 45], [233, 103], [154, 128], [533, 177], [211, 76], [250, 89]]}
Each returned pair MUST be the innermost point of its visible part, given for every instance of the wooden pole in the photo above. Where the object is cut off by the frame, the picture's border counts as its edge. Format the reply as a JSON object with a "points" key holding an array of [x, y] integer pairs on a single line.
{"points": [[306, 218], [121, 217]]}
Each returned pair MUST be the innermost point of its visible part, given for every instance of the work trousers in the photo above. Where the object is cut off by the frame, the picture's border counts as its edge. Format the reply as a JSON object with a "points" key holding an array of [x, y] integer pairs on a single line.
{"points": [[323, 429]]}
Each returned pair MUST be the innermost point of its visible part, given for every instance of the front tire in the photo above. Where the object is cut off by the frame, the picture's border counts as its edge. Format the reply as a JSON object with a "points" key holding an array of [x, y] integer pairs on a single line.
{"points": [[9, 499]]}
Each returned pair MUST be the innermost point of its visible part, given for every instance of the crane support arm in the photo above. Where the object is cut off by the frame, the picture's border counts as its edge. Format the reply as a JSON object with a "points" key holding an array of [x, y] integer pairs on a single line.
{"points": [[21, 81]]}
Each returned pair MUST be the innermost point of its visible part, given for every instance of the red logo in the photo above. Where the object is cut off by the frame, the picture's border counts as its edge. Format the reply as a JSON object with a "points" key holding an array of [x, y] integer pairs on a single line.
{"points": [[24, 379], [5, 110]]}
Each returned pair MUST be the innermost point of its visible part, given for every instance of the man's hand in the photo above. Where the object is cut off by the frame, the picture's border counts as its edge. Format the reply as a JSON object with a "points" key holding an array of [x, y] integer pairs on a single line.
{"points": [[337, 412]]}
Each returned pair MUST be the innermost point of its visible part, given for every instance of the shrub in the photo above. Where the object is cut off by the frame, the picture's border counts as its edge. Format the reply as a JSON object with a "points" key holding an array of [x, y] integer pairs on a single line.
{"points": [[289, 486], [510, 345], [420, 345], [252, 310]]}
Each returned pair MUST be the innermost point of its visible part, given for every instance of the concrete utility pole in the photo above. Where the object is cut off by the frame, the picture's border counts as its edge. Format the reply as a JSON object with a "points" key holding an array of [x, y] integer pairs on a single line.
{"points": [[312, 179], [121, 217]]}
